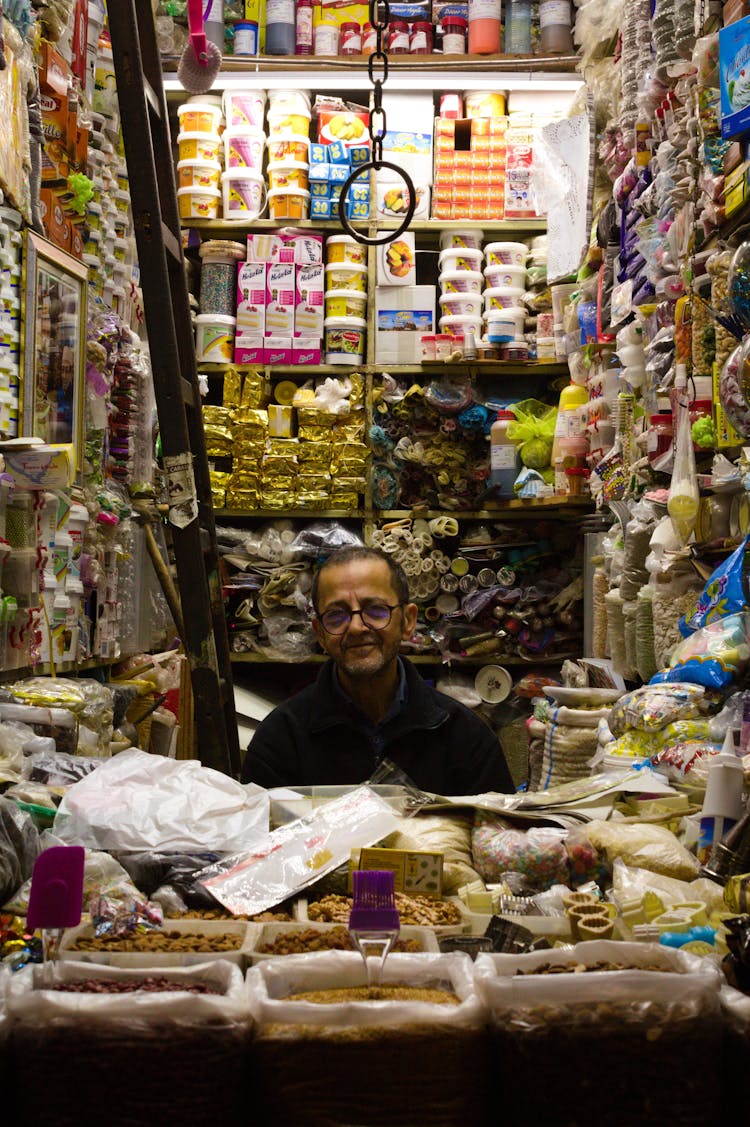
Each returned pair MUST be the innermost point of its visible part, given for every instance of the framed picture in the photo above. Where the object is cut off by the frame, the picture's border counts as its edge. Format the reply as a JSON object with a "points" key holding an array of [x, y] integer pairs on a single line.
{"points": [[54, 343]]}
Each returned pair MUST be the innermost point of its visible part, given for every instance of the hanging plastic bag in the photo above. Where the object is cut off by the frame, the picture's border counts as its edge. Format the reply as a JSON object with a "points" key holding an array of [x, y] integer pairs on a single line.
{"points": [[533, 432], [684, 497]]}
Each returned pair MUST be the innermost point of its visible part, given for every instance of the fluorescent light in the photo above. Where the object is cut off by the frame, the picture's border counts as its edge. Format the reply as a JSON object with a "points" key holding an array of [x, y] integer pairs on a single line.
{"points": [[443, 80]]}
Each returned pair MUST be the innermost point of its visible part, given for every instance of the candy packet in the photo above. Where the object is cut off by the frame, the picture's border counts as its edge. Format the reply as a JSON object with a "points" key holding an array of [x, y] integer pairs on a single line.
{"points": [[726, 592], [714, 656]]}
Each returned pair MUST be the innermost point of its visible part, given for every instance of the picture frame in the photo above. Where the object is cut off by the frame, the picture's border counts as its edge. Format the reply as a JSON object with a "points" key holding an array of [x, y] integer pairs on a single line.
{"points": [[53, 344]]}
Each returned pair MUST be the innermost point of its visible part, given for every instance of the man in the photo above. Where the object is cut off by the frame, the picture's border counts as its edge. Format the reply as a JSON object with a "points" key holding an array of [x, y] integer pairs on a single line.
{"points": [[368, 703]]}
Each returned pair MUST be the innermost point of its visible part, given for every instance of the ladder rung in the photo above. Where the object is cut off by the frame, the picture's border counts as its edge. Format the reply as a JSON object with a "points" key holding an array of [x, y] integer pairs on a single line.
{"points": [[152, 99], [188, 394], [171, 243]]}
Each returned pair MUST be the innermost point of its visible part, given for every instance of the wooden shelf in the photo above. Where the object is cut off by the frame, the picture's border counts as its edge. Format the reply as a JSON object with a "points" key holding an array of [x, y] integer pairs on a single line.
{"points": [[338, 67], [66, 668], [417, 659], [548, 368], [572, 504]]}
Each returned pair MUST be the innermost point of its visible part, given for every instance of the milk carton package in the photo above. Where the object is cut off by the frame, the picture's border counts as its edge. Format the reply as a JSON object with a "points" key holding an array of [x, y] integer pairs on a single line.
{"points": [[251, 298], [309, 310], [280, 299]]}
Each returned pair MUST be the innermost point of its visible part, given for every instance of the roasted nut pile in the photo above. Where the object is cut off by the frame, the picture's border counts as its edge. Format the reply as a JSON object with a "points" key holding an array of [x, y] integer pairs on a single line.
{"points": [[128, 986], [222, 914], [160, 941], [394, 993], [587, 968], [299, 942], [417, 910]]}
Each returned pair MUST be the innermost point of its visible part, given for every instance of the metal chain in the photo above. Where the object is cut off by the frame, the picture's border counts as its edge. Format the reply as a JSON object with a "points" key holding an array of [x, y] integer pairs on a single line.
{"points": [[377, 69]]}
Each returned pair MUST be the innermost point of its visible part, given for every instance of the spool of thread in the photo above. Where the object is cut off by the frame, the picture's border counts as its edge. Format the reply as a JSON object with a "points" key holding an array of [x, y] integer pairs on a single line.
{"points": [[467, 584], [432, 614], [486, 577], [459, 565]]}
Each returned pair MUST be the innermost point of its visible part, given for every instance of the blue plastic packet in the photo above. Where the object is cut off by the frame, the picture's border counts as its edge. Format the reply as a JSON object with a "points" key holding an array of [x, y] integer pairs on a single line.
{"points": [[725, 593], [713, 656]]}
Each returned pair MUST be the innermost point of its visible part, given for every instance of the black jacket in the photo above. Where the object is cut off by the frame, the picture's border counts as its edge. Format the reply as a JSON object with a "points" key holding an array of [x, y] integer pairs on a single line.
{"points": [[315, 739]]}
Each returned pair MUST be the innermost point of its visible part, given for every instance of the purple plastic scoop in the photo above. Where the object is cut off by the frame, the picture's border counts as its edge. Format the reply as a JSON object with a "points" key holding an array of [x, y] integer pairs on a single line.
{"points": [[56, 896]]}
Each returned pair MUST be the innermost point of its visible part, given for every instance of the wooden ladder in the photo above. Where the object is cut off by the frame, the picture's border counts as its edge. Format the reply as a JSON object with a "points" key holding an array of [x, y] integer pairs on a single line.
{"points": [[147, 142]]}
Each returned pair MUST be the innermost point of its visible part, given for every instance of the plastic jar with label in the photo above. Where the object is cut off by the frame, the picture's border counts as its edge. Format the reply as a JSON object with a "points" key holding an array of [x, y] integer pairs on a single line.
{"points": [[350, 38], [246, 38], [326, 39], [369, 39], [660, 435], [454, 35], [398, 37], [555, 27], [304, 28], [484, 27], [420, 38], [505, 461]]}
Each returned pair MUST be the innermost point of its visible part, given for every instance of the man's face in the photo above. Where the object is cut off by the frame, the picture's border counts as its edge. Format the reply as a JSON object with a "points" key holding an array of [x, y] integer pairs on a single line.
{"points": [[362, 651]]}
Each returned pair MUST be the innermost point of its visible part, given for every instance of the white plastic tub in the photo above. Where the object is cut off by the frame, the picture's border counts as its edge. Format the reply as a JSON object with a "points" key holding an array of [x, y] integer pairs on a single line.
{"points": [[214, 338], [457, 240], [199, 117], [343, 276], [198, 203], [502, 297], [345, 249], [288, 174], [244, 147], [460, 304], [460, 281], [457, 326], [288, 101], [460, 258], [244, 107], [502, 275], [506, 254], [243, 193], [345, 340], [199, 146], [198, 173], [346, 303], [505, 325]]}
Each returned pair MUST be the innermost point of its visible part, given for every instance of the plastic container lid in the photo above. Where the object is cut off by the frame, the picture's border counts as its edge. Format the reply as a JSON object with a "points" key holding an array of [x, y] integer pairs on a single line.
{"points": [[292, 165], [347, 267], [196, 190], [215, 319], [520, 248], [196, 162], [334, 240], [460, 275], [286, 191], [275, 112], [191, 135], [345, 323], [202, 104], [358, 295]]}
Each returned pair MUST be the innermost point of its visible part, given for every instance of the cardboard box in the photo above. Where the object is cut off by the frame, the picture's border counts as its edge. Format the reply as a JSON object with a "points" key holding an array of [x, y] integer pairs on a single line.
{"points": [[320, 207], [306, 350], [409, 148], [54, 72], [56, 223], [415, 872], [736, 189], [397, 262], [56, 141], [37, 465], [309, 306], [248, 350], [402, 315], [280, 299], [392, 201], [277, 350], [251, 298]]}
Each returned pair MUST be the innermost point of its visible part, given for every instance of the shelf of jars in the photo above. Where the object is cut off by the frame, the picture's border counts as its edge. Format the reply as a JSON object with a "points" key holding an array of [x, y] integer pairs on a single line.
{"points": [[225, 227], [337, 67]]}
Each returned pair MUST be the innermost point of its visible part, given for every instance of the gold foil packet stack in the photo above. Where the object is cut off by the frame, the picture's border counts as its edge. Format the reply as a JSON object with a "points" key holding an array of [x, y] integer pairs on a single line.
{"points": [[347, 501], [357, 394], [256, 391], [313, 499], [217, 416], [312, 417], [219, 441], [244, 479], [232, 389], [315, 454], [313, 434], [275, 499], [242, 499], [283, 447], [350, 458], [351, 431]]}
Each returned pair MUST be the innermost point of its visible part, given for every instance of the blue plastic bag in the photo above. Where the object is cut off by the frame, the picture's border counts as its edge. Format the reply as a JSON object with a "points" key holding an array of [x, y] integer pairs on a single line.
{"points": [[713, 656], [725, 593]]}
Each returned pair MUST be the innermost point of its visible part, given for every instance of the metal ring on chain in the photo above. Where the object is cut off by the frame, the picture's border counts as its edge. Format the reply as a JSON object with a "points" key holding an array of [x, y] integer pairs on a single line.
{"points": [[389, 236]]}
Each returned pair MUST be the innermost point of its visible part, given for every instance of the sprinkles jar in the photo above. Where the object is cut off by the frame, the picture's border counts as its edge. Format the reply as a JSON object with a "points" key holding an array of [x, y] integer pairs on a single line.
{"points": [[218, 290]]}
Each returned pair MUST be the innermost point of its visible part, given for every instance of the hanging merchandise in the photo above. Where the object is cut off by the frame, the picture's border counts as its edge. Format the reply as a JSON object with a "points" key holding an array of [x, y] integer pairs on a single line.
{"points": [[684, 496]]}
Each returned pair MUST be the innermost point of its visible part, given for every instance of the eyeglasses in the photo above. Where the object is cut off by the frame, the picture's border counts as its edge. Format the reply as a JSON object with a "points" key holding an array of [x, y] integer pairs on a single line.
{"points": [[376, 616]]}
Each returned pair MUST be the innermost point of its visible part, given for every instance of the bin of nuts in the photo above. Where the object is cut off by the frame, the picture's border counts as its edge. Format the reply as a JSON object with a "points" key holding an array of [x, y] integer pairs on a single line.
{"points": [[300, 939], [446, 917], [111, 1043], [180, 943], [590, 1019]]}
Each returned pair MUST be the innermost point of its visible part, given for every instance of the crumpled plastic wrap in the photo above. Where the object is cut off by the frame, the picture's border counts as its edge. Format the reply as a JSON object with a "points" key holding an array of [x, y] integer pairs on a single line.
{"points": [[19, 847], [449, 834], [88, 700]]}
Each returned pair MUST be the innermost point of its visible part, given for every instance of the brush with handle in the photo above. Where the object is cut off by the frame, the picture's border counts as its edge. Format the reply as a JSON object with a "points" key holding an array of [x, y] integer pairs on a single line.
{"points": [[374, 922], [56, 896], [201, 59]]}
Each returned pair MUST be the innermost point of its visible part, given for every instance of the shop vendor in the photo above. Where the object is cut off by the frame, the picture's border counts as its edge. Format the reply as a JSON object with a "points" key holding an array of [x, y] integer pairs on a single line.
{"points": [[370, 703]]}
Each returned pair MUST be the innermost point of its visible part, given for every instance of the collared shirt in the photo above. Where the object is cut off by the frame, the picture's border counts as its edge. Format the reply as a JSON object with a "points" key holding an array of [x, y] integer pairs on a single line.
{"points": [[376, 732]]}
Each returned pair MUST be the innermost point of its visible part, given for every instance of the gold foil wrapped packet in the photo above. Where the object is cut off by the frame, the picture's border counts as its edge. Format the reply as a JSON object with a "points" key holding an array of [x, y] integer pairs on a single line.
{"points": [[217, 416], [349, 432], [344, 500], [244, 480], [242, 499], [231, 389], [279, 463], [218, 498], [275, 499], [313, 499], [256, 390], [348, 483], [313, 481], [219, 441], [314, 434], [277, 482], [315, 454], [283, 447], [247, 435], [310, 417]]}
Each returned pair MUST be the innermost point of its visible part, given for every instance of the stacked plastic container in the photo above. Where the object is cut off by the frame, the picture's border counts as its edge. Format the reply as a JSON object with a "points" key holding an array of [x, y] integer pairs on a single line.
{"points": [[108, 245], [199, 165], [460, 280], [10, 319], [536, 283], [289, 119], [504, 308], [345, 324], [244, 144]]}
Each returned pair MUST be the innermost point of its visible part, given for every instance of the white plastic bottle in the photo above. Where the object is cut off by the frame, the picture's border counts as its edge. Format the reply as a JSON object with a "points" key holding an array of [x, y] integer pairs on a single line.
{"points": [[722, 805]]}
